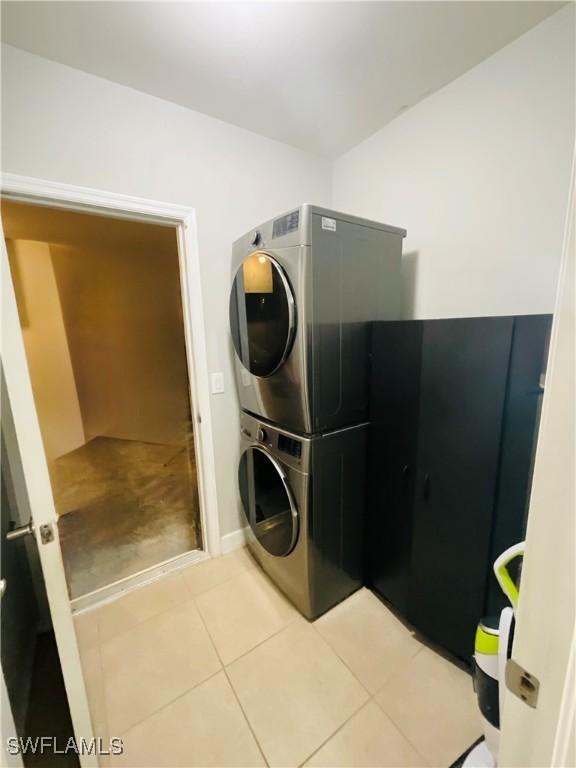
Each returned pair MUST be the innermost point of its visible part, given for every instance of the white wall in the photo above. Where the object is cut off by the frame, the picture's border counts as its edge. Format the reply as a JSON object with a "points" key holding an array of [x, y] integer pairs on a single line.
{"points": [[478, 173], [122, 312], [64, 125]]}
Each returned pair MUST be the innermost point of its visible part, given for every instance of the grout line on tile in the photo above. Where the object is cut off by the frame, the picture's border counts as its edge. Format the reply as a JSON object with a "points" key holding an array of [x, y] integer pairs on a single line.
{"points": [[140, 622], [169, 574], [326, 740], [242, 569], [184, 693], [297, 616], [248, 723], [168, 703], [176, 575], [102, 678], [372, 696], [425, 762], [172, 701], [261, 642], [391, 718], [399, 670], [335, 652], [103, 684]]}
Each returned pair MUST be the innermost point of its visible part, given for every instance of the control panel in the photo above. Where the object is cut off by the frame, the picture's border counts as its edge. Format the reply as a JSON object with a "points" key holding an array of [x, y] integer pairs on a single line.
{"points": [[286, 224], [290, 445], [288, 448]]}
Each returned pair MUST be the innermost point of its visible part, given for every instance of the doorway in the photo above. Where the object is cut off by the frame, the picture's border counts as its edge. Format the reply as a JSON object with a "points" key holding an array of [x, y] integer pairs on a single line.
{"points": [[100, 307]]}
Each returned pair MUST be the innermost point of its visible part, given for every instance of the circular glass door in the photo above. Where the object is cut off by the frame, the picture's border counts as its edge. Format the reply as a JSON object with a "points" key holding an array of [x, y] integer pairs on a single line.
{"points": [[267, 501], [262, 314]]}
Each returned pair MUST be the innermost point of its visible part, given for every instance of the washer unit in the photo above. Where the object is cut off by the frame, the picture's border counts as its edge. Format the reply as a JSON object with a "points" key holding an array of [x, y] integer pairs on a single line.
{"points": [[306, 287], [304, 499]]}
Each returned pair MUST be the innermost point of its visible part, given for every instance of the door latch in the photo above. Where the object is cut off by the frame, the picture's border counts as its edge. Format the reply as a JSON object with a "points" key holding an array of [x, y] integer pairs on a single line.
{"points": [[46, 533], [522, 684]]}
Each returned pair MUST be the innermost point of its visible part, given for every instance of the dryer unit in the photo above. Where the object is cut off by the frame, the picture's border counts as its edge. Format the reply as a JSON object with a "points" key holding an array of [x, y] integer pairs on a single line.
{"points": [[304, 500], [306, 287]]}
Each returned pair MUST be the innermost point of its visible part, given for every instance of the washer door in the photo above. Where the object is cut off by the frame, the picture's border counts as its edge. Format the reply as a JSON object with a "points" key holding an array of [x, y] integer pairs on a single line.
{"points": [[262, 314], [267, 500]]}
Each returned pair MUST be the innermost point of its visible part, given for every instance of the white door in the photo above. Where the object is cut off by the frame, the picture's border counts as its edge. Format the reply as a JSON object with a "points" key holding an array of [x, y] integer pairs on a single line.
{"points": [[544, 639], [33, 492]]}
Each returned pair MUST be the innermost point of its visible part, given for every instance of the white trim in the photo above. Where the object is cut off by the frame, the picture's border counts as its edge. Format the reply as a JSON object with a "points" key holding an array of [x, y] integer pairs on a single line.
{"points": [[50, 193], [26, 189], [198, 375], [233, 540]]}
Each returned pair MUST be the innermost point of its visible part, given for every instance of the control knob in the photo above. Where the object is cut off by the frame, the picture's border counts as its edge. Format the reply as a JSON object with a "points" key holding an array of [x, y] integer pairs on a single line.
{"points": [[261, 435], [255, 239]]}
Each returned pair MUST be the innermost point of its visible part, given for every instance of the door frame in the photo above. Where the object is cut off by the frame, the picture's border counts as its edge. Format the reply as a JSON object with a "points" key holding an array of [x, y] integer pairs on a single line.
{"points": [[35, 191], [22, 432]]}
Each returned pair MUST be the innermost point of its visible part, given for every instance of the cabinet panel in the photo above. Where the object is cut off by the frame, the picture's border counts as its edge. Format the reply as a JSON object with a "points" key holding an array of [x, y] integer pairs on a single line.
{"points": [[463, 386], [395, 392], [519, 434]]}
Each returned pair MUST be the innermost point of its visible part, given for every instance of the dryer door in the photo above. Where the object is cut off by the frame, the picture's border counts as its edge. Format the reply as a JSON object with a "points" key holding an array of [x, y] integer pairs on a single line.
{"points": [[262, 314], [268, 502]]}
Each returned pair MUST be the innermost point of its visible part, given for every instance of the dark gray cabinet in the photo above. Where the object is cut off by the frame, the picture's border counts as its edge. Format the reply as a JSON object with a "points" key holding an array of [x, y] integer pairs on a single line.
{"points": [[519, 434], [440, 412], [395, 402]]}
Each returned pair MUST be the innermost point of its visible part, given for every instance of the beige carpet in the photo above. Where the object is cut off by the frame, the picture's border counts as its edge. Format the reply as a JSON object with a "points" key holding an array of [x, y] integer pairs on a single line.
{"points": [[124, 506]]}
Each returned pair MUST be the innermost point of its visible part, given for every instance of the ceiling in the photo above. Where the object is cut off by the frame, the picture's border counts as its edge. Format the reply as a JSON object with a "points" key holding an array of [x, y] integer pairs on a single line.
{"points": [[321, 76]]}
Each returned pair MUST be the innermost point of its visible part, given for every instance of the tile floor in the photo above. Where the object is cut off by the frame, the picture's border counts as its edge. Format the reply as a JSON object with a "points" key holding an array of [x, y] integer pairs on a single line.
{"points": [[211, 666]]}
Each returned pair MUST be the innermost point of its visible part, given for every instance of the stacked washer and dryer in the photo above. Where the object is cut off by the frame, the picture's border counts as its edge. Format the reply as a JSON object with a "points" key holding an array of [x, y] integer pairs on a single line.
{"points": [[306, 288]]}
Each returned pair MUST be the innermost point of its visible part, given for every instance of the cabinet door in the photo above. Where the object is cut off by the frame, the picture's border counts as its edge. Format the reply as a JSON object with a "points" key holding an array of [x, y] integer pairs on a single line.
{"points": [[395, 388], [519, 435], [463, 386]]}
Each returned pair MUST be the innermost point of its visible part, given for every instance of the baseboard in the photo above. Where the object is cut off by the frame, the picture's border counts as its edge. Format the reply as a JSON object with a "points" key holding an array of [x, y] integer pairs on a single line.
{"points": [[233, 540]]}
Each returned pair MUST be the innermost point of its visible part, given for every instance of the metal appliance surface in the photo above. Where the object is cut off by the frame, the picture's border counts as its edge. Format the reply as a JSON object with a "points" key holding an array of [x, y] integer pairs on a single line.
{"points": [[306, 288], [304, 504]]}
